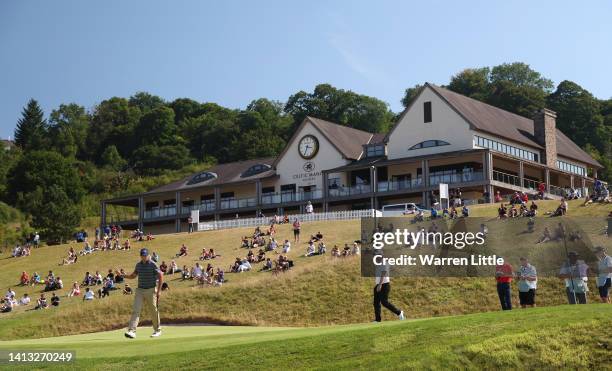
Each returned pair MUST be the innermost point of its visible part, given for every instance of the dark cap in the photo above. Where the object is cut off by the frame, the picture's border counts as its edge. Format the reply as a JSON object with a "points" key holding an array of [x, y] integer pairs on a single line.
{"points": [[144, 252]]}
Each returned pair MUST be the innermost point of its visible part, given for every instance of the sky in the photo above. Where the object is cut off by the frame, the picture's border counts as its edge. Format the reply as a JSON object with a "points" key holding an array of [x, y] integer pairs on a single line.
{"points": [[232, 52]]}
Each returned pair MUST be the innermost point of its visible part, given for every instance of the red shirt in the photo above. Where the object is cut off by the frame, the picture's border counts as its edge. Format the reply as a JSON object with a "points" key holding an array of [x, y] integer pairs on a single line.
{"points": [[506, 271]]}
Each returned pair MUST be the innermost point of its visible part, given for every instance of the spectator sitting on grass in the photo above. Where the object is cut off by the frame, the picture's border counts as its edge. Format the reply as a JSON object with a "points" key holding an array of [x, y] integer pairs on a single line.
{"points": [[261, 255], [347, 250], [72, 257], [310, 250], [272, 245], [545, 236], [163, 267], [355, 250], [502, 212], [8, 305], [127, 245], [88, 280], [267, 265], [465, 211], [286, 247], [174, 268], [87, 249], [76, 290], [182, 251], [25, 300], [561, 209], [55, 300], [41, 303], [185, 273], [97, 278], [335, 251], [119, 276], [250, 256], [244, 266], [107, 287], [35, 279], [127, 290], [89, 295], [321, 249], [24, 279], [196, 272]]}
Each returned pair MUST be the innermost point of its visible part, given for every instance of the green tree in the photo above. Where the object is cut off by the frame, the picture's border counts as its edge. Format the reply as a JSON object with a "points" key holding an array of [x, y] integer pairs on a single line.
{"points": [[342, 107], [56, 216], [42, 169], [68, 127], [157, 127], [146, 102], [31, 130], [472, 82], [112, 159], [410, 94], [113, 122], [153, 159]]}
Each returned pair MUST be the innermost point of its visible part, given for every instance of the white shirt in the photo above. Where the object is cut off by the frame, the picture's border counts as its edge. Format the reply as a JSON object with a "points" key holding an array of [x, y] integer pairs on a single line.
{"points": [[309, 208], [24, 300], [286, 247], [379, 274], [603, 265], [89, 295], [9, 293]]}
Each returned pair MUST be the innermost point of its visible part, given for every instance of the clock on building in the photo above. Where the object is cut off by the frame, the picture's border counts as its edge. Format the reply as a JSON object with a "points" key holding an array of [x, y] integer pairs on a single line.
{"points": [[308, 146]]}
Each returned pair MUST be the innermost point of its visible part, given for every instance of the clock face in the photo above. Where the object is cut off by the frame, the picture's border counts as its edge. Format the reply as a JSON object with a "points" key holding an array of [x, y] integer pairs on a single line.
{"points": [[308, 146]]}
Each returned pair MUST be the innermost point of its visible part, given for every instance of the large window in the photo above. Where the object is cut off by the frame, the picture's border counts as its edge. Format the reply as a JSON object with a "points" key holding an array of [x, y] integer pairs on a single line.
{"points": [[505, 148], [375, 150], [570, 168], [429, 143], [427, 112]]}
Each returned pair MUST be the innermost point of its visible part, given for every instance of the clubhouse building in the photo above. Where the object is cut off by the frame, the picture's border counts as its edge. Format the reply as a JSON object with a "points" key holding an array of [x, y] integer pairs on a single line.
{"points": [[442, 137]]}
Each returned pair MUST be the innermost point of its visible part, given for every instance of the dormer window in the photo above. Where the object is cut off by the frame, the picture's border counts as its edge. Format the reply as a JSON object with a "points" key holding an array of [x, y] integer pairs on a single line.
{"points": [[374, 150], [255, 169], [429, 143], [202, 177]]}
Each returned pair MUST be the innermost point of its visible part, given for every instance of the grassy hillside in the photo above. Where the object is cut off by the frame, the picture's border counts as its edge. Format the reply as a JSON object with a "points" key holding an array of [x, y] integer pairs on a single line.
{"points": [[563, 337], [318, 291]]}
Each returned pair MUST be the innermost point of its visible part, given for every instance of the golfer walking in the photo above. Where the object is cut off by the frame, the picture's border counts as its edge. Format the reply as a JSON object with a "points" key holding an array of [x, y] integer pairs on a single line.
{"points": [[381, 293], [149, 276]]}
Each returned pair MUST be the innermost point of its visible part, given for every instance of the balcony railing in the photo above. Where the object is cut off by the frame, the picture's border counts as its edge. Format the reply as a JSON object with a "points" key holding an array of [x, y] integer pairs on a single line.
{"points": [[464, 177], [398, 185], [506, 178], [208, 205], [530, 184], [278, 198], [237, 203], [350, 191], [558, 191], [160, 212]]}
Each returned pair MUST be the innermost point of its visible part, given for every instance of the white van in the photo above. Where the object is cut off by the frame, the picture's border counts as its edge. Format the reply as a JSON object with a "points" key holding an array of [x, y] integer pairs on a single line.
{"points": [[400, 209]]}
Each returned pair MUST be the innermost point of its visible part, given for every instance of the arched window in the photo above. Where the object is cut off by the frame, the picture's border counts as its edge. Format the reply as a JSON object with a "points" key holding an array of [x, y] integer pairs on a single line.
{"points": [[255, 169], [201, 177], [429, 143]]}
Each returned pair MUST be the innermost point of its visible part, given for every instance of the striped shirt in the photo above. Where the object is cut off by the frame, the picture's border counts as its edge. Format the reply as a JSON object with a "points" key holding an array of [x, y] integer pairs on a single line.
{"points": [[147, 274]]}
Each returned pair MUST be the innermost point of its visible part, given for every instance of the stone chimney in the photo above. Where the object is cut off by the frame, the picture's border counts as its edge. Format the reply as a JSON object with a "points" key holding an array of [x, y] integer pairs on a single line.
{"points": [[545, 132]]}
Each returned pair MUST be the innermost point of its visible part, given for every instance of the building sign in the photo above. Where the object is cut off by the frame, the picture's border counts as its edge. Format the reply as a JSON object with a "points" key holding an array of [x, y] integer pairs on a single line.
{"points": [[309, 175]]}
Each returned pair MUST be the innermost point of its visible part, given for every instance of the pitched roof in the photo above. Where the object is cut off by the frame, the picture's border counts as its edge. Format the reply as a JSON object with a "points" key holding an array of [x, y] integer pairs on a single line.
{"points": [[347, 140], [484, 117], [226, 173]]}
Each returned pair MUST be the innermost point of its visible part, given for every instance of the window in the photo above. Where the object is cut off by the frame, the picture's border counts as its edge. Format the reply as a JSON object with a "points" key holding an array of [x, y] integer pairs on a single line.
{"points": [[570, 168], [266, 190], [505, 148], [375, 150], [227, 195], [255, 169], [201, 177], [429, 143], [427, 112]]}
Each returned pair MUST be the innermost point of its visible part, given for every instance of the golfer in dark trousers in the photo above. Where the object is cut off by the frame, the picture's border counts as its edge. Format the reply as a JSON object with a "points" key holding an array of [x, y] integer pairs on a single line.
{"points": [[150, 279], [381, 293]]}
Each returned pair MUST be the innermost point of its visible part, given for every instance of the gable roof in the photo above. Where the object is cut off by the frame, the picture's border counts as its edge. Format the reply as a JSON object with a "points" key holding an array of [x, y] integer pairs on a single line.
{"points": [[226, 173], [487, 118], [347, 140]]}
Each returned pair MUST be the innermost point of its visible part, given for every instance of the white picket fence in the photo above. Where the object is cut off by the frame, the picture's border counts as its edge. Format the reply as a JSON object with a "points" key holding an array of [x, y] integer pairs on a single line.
{"points": [[312, 217]]}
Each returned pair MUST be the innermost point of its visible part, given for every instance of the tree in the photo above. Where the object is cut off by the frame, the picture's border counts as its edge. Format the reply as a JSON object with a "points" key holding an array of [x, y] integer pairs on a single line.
{"points": [[31, 129], [68, 126], [152, 159], [42, 169], [113, 122], [211, 136], [157, 127], [340, 106], [472, 82], [521, 75], [410, 94], [146, 102], [112, 159], [56, 216]]}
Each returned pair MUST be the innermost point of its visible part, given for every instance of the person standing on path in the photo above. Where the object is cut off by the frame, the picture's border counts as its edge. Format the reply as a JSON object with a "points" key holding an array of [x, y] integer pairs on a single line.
{"points": [[150, 279], [503, 276]]}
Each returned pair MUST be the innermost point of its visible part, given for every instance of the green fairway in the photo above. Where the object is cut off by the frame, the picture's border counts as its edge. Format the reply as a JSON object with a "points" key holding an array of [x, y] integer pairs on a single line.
{"points": [[550, 338]]}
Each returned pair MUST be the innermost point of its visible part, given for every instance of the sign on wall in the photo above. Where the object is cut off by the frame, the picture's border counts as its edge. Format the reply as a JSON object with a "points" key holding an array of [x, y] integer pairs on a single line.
{"points": [[195, 216]]}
